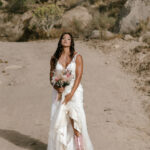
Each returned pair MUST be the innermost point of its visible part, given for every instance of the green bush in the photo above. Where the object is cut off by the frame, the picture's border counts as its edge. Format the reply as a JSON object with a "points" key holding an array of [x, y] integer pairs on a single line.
{"points": [[1, 3], [93, 1], [102, 21], [19, 6], [44, 19]]}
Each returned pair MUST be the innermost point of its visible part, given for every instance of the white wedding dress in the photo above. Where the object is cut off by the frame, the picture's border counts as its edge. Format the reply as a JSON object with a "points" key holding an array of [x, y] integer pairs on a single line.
{"points": [[61, 133]]}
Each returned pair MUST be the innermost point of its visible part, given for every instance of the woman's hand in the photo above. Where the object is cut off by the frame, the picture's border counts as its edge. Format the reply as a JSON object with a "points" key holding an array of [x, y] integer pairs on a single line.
{"points": [[67, 98], [59, 90]]}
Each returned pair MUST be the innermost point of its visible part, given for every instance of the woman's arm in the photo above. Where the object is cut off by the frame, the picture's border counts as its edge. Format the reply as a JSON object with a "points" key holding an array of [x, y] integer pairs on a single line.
{"points": [[79, 72]]}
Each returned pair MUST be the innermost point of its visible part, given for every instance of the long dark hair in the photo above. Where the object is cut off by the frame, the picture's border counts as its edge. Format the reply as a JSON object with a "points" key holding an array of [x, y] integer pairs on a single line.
{"points": [[59, 50]]}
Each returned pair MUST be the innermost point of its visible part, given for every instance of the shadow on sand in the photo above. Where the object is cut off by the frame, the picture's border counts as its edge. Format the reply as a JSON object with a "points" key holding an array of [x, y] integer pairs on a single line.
{"points": [[22, 140]]}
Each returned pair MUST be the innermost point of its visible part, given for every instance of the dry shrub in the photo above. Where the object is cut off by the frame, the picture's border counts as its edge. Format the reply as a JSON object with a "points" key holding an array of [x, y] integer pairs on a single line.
{"points": [[69, 4], [102, 20], [143, 27], [1, 3], [75, 27], [19, 6], [55, 33], [44, 18], [136, 60]]}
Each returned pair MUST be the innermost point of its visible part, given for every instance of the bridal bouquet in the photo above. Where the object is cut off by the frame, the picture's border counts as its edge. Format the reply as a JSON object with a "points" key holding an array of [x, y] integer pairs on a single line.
{"points": [[61, 78]]}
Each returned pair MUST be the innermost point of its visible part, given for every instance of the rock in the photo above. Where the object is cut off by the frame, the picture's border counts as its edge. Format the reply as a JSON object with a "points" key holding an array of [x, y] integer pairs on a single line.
{"points": [[95, 34], [145, 38], [4, 3], [13, 67], [107, 35], [146, 59], [107, 62], [79, 13], [1, 61], [128, 37], [131, 14], [145, 63], [13, 29], [116, 46], [148, 25], [140, 39]]}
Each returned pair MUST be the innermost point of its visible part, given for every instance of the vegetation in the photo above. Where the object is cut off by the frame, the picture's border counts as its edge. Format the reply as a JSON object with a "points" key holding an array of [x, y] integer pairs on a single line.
{"points": [[44, 19], [19, 6], [103, 21], [1, 3], [76, 27], [142, 27]]}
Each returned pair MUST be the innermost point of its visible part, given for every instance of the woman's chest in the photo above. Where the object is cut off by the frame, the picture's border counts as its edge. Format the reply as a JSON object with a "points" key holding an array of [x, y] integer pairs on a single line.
{"points": [[71, 67]]}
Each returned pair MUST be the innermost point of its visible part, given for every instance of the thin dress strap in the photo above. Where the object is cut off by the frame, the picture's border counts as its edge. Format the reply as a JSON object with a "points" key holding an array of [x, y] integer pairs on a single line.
{"points": [[76, 56]]}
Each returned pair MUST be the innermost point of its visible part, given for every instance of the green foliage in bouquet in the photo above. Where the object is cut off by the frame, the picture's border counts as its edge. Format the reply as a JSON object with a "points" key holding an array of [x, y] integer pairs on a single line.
{"points": [[60, 84]]}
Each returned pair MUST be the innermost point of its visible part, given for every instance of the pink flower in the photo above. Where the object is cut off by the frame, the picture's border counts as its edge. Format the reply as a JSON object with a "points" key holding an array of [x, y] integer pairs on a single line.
{"points": [[62, 77], [68, 74], [56, 79]]}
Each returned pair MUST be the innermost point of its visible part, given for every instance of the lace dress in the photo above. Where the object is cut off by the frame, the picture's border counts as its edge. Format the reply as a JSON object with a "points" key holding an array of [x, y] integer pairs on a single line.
{"points": [[61, 133]]}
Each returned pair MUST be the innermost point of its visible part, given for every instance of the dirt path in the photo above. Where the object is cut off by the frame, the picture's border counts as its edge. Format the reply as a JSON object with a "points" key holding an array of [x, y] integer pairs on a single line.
{"points": [[115, 117]]}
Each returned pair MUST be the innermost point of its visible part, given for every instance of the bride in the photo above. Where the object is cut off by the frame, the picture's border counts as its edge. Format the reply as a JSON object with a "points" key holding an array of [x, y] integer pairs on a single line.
{"points": [[68, 127]]}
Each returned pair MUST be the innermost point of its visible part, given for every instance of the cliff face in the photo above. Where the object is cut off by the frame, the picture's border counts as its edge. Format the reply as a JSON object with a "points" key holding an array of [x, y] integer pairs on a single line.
{"points": [[132, 15]]}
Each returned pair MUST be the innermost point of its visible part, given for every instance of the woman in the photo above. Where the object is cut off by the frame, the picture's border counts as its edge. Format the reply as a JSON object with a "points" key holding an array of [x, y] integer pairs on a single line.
{"points": [[68, 128]]}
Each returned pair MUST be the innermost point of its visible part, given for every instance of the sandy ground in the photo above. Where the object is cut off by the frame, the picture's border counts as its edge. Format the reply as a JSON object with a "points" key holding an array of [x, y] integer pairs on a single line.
{"points": [[115, 117]]}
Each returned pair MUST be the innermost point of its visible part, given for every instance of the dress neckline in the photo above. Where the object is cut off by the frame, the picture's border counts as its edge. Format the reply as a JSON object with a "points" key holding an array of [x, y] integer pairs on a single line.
{"points": [[69, 63]]}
